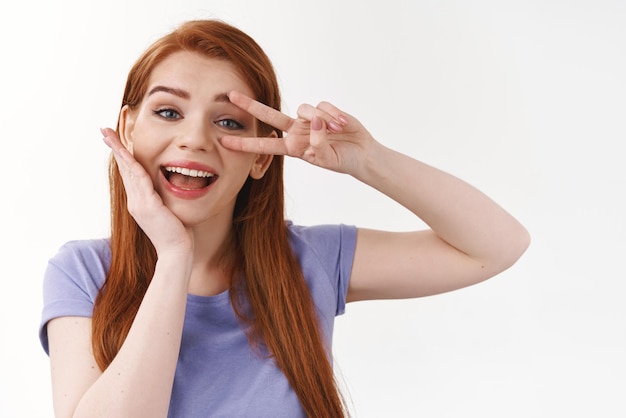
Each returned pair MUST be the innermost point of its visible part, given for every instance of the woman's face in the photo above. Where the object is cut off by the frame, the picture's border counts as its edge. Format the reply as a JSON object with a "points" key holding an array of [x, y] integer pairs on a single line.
{"points": [[174, 134]]}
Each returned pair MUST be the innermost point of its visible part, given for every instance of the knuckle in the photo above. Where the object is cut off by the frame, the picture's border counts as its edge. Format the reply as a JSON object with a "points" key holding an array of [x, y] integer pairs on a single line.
{"points": [[302, 109]]}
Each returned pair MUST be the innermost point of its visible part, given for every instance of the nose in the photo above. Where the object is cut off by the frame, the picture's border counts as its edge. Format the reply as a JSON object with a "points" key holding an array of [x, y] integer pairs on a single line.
{"points": [[196, 136]]}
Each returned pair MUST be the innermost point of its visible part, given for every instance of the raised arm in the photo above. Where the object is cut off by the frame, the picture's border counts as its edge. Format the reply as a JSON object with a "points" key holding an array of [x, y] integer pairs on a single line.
{"points": [[470, 239], [138, 382]]}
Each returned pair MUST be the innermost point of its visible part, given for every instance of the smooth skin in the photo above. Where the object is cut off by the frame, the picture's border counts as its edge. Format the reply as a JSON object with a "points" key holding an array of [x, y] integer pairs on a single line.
{"points": [[470, 238]]}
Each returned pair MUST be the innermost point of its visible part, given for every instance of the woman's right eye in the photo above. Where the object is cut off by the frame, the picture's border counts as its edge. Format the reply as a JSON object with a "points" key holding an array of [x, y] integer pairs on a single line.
{"points": [[167, 113]]}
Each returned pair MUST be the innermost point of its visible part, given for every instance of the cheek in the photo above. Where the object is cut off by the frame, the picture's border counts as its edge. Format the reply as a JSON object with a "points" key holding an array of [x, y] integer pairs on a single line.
{"points": [[147, 144], [146, 159], [146, 136], [239, 162]]}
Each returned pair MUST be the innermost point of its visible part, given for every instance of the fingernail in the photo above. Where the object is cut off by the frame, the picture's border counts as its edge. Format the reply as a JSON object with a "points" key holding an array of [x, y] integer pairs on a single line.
{"points": [[334, 126], [316, 124], [343, 120]]}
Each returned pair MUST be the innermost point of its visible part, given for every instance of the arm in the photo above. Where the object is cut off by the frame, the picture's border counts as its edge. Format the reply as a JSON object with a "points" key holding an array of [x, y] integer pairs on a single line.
{"points": [[470, 238], [139, 380]]}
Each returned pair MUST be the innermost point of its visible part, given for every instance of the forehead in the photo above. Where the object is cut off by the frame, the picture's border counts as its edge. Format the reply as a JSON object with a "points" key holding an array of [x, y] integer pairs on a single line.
{"points": [[197, 74]]}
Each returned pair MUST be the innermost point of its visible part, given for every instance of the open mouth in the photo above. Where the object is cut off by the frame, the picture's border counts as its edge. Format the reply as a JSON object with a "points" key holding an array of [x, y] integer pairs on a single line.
{"points": [[188, 179]]}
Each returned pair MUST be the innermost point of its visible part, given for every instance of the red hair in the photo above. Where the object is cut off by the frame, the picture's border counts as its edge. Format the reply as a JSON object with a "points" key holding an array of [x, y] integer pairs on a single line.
{"points": [[272, 295]]}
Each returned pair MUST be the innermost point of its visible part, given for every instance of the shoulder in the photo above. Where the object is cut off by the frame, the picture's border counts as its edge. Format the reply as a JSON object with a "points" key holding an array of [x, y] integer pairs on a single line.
{"points": [[83, 256], [89, 250], [325, 254], [81, 263], [72, 280], [321, 239]]}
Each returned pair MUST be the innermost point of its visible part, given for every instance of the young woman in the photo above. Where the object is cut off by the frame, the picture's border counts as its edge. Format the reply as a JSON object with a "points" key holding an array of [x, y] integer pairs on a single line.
{"points": [[205, 301]]}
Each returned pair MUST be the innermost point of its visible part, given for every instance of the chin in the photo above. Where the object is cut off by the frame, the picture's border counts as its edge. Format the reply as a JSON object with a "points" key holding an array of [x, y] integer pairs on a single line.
{"points": [[195, 218]]}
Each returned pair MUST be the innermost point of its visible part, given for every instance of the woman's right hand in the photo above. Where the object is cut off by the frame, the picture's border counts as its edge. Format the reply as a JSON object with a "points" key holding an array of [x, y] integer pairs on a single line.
{"points": [[166, 232]]}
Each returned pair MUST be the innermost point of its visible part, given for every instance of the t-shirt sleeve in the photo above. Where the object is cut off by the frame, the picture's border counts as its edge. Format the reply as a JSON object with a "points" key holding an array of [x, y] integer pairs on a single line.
{"points": [[327, 252], [72, 280]]}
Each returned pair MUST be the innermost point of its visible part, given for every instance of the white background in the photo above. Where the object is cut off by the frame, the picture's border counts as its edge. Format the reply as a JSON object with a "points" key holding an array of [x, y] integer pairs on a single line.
{"points": [[524, 99]]}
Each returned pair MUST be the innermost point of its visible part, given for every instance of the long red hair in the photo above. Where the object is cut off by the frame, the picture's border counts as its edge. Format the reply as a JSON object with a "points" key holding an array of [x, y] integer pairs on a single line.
{"points": [[272, 295]]}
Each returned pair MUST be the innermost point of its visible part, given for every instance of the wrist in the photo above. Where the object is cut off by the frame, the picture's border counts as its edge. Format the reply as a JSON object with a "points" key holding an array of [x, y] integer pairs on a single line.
{"points": [[176, 261], [372, 167]]}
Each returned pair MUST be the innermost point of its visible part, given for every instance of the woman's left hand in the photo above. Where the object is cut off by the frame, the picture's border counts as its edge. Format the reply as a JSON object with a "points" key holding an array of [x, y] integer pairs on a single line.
{"points": [[323, 135]]}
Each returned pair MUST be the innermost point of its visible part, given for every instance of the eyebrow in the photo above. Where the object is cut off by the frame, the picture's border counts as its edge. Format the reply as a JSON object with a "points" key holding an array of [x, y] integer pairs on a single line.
{"points": [[220, 97], [176, 92]]}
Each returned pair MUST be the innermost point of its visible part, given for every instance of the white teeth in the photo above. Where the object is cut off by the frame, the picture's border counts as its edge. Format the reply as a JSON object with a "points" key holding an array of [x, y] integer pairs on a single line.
{"points": [[188, 172]]}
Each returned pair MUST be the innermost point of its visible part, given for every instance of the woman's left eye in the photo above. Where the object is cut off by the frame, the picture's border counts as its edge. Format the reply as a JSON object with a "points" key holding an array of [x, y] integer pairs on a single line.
{"points": [[229, 124]]}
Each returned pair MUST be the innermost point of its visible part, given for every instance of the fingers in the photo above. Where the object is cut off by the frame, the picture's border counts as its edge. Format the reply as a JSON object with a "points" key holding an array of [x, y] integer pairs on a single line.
{"points": [[260, 111], [319, 152], [120, 152], [134, 176], [335, 119], [312, 136], [332, 116], [319, 139], [335, 112], [264, 145]]}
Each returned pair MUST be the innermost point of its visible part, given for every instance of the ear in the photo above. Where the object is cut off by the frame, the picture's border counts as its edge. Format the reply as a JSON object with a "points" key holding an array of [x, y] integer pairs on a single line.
{"points": [[262, 162], [126, 126]]}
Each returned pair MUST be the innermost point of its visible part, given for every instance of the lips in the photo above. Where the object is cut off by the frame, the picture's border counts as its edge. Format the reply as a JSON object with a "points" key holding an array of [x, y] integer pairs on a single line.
{"points": [[188, 180]]}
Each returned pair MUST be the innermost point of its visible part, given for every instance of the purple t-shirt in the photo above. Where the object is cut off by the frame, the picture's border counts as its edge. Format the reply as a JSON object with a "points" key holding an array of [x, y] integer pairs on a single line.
{"points": [[218, 373]]}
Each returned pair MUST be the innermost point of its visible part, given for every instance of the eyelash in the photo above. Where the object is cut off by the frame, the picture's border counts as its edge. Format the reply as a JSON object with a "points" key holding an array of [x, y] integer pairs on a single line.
{"points": [[159, 112], [237, 125]]}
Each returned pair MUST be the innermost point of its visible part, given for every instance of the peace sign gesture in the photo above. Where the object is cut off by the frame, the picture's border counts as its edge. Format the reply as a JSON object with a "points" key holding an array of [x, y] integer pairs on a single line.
{"points": [[323, 135]]}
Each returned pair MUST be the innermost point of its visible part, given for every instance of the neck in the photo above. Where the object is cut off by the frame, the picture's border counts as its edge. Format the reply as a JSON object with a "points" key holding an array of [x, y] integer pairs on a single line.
{"points": [[212, 242]]}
